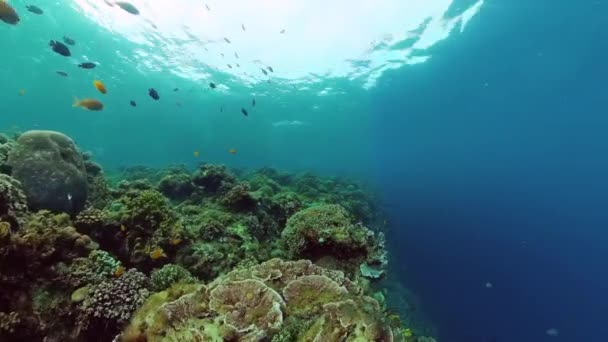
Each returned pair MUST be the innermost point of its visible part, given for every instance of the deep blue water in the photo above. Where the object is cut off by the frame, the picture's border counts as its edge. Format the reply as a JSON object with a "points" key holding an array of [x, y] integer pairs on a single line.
{"points": [[494, 161]]}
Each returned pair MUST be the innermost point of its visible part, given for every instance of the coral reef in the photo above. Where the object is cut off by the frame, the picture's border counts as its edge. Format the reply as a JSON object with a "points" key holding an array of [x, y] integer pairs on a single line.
{"points": [[232, 255], [51, 170]]}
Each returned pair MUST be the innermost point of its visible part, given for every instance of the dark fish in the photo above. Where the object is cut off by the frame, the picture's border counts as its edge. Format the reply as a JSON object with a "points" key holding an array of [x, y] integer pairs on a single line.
{"points": [[282, 31], [207, 6], [236, 55], [69, 40], [244, 111], [221, 109], [62, 73], [8, 14], [133, 103], [264, 71], [34, 9], [221, 53], [243, 27], [60, 48], [253, 103], [212, 85], [230, 66], [237, 65], [270, 69], [176, 89], [153, 94], [227, 40], [87, 65], [127, 7]]}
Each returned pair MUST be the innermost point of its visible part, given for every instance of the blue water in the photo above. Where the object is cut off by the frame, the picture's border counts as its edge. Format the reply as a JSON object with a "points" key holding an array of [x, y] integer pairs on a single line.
{"points": [[494, 158]]}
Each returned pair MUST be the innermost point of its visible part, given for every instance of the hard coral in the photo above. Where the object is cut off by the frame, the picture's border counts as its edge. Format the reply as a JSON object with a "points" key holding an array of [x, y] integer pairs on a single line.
{"points": [[213, 177], [238, 198], [13, 203], [176, 186], [170, 274]]}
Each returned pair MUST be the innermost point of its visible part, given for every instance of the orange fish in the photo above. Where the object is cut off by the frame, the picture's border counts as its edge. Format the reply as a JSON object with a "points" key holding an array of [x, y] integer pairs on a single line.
{"points": [[90, 104], [157, 253], [119, 271], [100, 86], [232, 151], [176, 241], [196, 154], [8, 14]]}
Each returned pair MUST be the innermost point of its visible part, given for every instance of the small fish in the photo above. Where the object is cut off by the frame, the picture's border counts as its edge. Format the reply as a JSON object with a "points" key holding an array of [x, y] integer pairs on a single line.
{"points": [[222, 54], [34, 9], [176, 89], [175, 242], [282, 31], [236, 55], [119, 271], [207, 6], [69, 197], [177, 103], [60, 48], [123, 228], [157, 253], [69, 40], [21, 92], [196, 154], [270, 69], [244, 111], [89, 104], [153, 94], [62, 73], [227, 40], [237, 65], [253, 103], [264, 71], [232, 151], [212, 85], [127, 7], [133, 103], [100, 86], [8, 14], [230, 66], [87, 65], [221, 109], [243, 27]]}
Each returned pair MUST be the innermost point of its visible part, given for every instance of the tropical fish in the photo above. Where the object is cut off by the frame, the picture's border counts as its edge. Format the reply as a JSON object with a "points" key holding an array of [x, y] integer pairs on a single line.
{"points": [[133, 103], [127, 7], [69, 197], [123, 228], [60, 48], [89, 104], [87, 65], [119, 271], [230, 66], [227, 40], [282, 31], [264, 71], [69, 40], [207, 6], [153, 94], [212, 85], [196, 154], [34, 9], [232, 151], [236, 55], [253, 103], [157, 253], [62, 73], [270, 69], [244, 111], [243, 27], [176, 89], [175, 241], [100, 86], [8, 13]]}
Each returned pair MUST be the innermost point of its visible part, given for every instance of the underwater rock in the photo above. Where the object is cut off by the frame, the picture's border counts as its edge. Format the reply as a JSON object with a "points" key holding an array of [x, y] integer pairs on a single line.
{"points": [[13, 205], [51, 170]]}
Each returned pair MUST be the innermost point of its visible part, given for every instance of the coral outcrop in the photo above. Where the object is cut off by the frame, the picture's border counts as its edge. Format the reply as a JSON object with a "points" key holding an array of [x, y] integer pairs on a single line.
{"points": [[51, 170], [13, 203]]}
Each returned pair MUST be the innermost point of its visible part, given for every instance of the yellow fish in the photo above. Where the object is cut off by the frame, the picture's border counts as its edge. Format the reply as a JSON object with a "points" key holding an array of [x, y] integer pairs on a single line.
{"points": [[119, 271], [100, 86], [123, 228], [157, 253], [232, 151], [196, 154], [176, 241]]}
